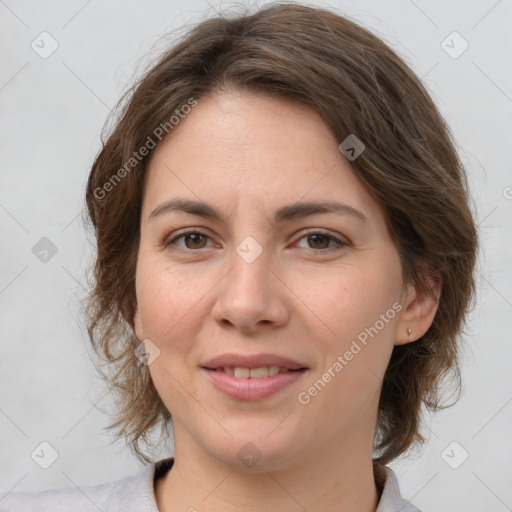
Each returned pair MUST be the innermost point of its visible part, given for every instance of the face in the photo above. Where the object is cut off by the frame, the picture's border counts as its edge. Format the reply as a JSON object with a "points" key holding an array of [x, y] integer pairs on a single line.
{"points": [[323, 290]]}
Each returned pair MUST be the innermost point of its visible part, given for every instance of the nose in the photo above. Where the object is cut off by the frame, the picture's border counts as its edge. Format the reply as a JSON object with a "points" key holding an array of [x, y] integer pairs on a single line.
{"points": [[252, 296]]}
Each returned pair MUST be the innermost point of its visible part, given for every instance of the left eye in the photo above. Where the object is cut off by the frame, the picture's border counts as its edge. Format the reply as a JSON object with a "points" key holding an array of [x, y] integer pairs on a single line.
{"points": [[319, 238]]}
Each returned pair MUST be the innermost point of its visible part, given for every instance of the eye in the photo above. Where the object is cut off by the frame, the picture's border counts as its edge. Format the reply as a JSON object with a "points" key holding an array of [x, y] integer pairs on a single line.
{"points": [[319, 240], [195, 240]]}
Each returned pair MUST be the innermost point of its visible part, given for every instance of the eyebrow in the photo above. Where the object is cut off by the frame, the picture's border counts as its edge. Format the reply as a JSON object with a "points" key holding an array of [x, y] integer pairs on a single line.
{"points": [[292, 211]]}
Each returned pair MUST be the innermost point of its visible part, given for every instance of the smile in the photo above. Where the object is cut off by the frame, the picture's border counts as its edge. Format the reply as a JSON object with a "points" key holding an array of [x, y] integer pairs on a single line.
{"points": [[252, 373], [252, 384]]}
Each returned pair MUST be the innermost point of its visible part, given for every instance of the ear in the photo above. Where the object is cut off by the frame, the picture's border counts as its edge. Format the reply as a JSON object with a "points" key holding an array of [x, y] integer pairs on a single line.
{"points": [[419, 310], [137, 325]]}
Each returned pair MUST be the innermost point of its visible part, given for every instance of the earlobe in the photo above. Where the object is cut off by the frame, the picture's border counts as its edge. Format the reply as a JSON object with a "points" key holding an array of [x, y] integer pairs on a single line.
{"points": [[419, 311]]}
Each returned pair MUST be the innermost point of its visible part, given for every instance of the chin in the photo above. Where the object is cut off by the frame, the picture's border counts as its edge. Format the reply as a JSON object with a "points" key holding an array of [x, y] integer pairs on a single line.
{"points": [[253, 453]]}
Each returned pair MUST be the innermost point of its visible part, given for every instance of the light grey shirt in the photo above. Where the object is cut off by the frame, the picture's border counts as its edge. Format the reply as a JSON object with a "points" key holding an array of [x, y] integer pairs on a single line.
{"points": [[136, 494]]}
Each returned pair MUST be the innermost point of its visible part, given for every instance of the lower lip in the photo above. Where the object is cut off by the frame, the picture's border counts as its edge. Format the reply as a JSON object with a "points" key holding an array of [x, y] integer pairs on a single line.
{"points": [[252, 389]]}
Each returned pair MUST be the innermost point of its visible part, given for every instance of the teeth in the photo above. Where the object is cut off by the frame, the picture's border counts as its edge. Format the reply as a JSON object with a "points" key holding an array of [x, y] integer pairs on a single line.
{"points": [[242, 373], [259, 373], [273, 370], [254, 373]]}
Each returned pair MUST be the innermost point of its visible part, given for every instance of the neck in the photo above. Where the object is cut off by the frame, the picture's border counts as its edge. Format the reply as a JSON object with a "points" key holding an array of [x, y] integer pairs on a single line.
{"points": [[342, 480]]}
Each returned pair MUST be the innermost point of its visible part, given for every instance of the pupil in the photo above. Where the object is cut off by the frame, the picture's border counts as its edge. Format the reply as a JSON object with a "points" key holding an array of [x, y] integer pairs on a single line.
{"points": [[318, 236], [195, 237]]}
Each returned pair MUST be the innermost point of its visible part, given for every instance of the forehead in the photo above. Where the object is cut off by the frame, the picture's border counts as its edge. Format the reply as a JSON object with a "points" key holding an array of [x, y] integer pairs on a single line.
{"points": [[241, 125], [256, 148]]}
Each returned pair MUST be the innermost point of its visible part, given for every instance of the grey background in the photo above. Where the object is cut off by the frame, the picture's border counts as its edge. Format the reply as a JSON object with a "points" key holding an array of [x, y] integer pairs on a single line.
{"points": [[52, 112]]}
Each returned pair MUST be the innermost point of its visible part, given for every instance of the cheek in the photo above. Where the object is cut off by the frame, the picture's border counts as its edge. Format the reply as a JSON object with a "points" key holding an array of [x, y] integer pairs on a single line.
{"points": [[351, 299], [354, 360], [359, 308], [170, 308], [168, 299]]}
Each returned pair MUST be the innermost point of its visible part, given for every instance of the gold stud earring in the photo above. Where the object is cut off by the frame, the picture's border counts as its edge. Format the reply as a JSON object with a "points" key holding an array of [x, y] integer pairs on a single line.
{"points": [[409, 331]]}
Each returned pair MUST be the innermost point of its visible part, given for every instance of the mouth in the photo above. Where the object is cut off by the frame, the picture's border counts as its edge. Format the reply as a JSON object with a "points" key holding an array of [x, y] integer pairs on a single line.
{"points": [[252, 377], [254, 373], [252, 365]]}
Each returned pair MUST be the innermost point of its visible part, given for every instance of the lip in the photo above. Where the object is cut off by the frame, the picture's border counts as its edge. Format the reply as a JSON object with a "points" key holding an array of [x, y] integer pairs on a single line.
{"points": [[251, 389], [251, 361]]}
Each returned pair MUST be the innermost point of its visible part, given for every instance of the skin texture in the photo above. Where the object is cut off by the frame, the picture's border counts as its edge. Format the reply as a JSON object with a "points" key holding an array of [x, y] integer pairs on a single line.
{"points": [[249, 155]]}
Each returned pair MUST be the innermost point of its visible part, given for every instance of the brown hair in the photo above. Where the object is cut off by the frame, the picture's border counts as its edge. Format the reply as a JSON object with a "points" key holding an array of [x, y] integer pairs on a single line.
{"points": [[410, 165]]}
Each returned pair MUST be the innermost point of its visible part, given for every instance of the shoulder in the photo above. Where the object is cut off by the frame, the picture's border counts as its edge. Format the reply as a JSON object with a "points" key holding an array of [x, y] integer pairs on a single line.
{"points": [[391, 500], [133, 493]]}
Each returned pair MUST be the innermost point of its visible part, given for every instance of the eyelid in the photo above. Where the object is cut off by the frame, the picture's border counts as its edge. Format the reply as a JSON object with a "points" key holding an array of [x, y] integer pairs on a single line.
{"points": [[322, 231]]}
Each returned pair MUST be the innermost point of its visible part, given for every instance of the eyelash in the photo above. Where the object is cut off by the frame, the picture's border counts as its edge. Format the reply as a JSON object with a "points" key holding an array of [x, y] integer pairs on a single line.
{"points": [[340, 244]]}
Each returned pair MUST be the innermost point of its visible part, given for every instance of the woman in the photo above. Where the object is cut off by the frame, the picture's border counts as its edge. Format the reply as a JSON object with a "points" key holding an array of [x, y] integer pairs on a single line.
{"points": [[285, 260]]}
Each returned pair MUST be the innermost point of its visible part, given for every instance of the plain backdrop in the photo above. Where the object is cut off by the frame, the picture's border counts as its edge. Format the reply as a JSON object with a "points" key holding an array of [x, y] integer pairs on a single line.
{"points": [[52, 111]]}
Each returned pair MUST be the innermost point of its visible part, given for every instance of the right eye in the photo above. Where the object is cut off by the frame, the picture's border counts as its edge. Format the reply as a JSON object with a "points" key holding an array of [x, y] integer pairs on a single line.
{"points": [[195, 241]]}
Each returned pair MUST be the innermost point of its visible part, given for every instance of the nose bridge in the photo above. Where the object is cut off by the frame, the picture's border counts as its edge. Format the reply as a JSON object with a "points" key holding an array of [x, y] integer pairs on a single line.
{"points": [[250, 266], [250, 292]]}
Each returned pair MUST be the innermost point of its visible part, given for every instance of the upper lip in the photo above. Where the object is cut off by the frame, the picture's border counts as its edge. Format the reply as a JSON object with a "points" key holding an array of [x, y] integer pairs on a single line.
{"points": [[232, 360]]}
